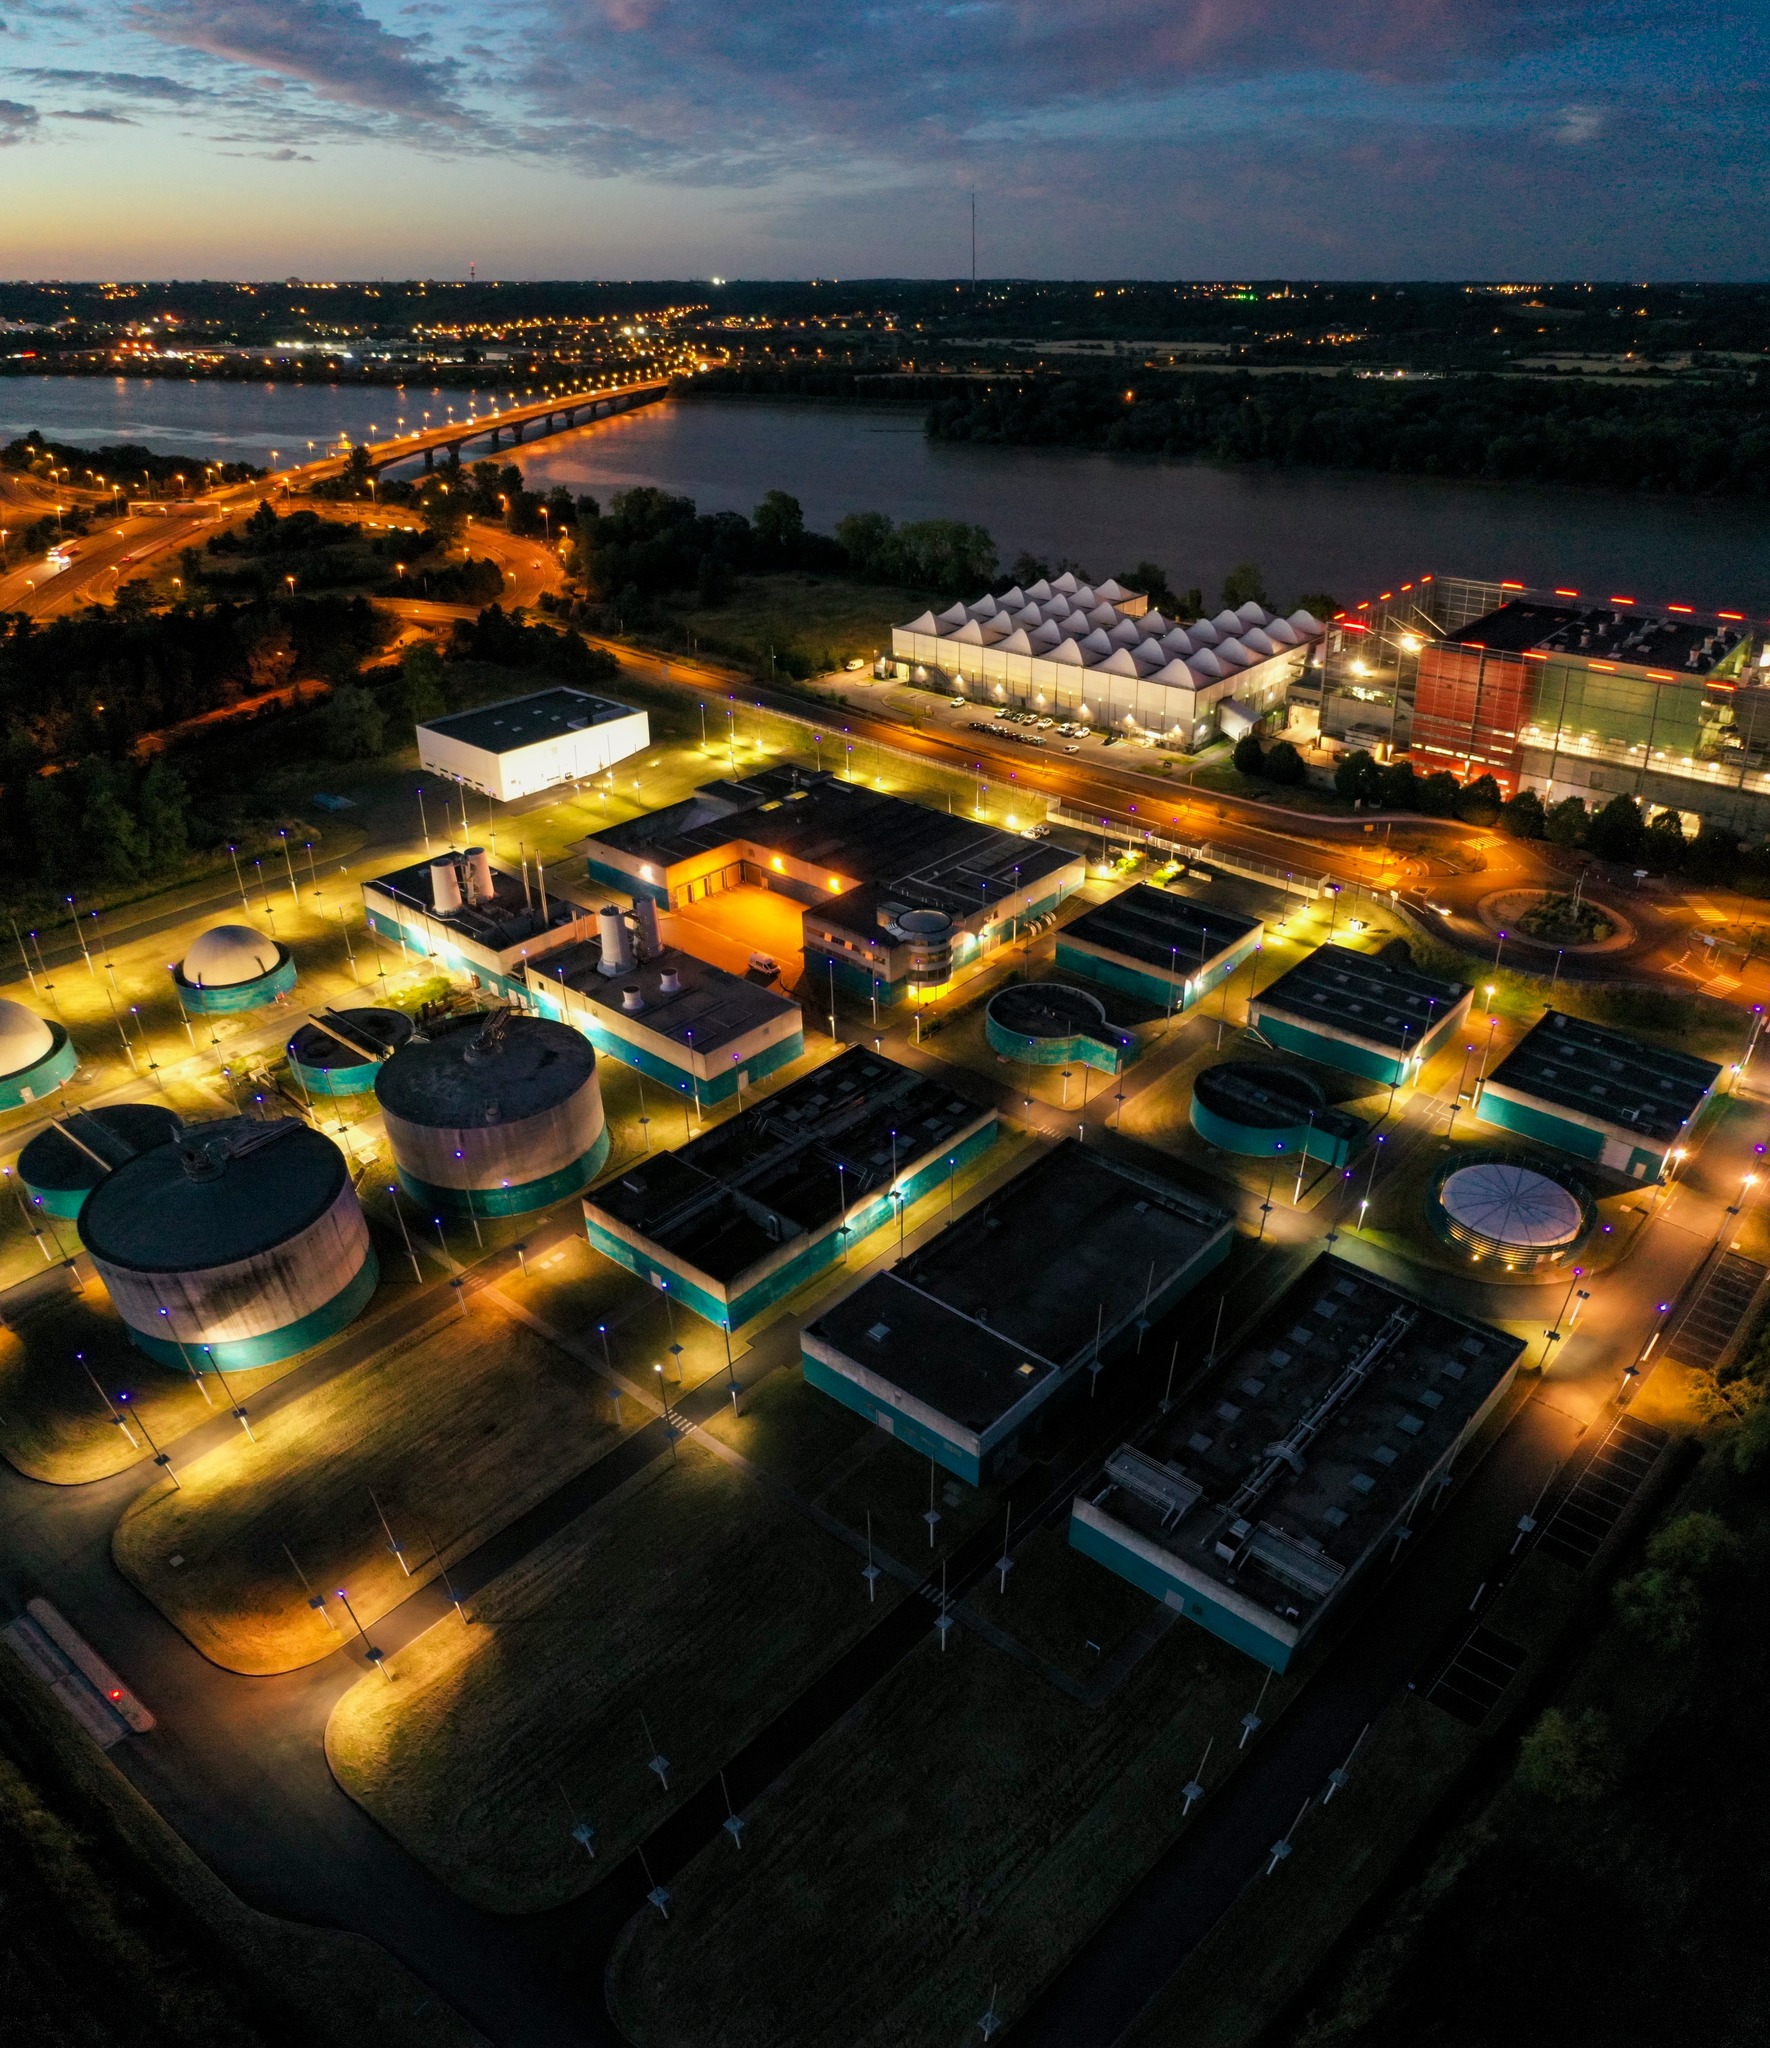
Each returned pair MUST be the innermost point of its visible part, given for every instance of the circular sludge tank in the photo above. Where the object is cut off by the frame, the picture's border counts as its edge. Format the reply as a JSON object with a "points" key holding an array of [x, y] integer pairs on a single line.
{"points": [[1255, 1106], [1050, 1024], [238, 1244], [62, 1165], [495, 1116], [341, 1052], [36, 1057], [232, 967], [1520, 1215]]}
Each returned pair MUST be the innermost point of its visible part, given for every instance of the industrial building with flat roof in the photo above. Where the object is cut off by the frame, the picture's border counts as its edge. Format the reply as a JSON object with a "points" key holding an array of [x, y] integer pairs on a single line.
{"points": [[701, 1031], [1158, 946], [1252, 1506], [474, 918], [898, 896], [1374, 1017], [530, 743], [1598, 1094], [962, 1347], [739, 1217]]}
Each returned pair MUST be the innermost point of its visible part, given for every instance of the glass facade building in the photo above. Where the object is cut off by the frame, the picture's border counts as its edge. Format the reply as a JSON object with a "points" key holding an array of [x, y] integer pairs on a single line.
{"points": [[1557, 692]]}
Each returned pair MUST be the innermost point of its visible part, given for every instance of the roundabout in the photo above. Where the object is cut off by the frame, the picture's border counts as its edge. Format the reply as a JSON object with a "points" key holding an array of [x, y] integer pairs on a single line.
{"points": [[1569, 921]]}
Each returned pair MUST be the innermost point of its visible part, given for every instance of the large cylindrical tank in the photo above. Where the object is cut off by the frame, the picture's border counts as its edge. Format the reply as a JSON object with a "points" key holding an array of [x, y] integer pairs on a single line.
{"points": [[232, 967], [325, 1063], [495, 1116], [36, 1057], [62, 1165], [236, 1245]]}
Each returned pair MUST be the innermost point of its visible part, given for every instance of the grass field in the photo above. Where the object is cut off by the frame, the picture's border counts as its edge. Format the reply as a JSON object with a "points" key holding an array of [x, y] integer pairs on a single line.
{"points": [[690, 1604], [821, 619], [455, 1433], [963, 1828], [54, 1424]]}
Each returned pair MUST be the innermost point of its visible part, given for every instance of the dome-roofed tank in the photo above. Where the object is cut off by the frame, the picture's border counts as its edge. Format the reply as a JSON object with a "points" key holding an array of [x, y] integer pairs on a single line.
{"points": [[35, 1055], [62, 1165], [237, 1244], [339, 1052], [233, 967], [495, 1116], [1520, 1213]]}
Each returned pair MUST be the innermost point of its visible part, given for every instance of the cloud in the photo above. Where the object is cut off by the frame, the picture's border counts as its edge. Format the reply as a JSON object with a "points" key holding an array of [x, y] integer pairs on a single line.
{"points": [[108, 115], [272, 156], [332, 46], [129, 84], [16, 122], [1579, 124]]}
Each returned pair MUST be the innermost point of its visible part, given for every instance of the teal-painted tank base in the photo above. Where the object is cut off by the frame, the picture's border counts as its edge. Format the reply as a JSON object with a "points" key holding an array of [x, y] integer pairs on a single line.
{"points": [[33, 1083], [243, 995], [359, 1080], [65, 1202], [521, 1200], [275, 1345]]}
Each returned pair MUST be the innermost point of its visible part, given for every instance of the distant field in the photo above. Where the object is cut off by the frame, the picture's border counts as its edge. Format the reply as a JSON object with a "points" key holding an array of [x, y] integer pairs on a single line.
{"points": [[963, 1828], [691, 1603], [455, 1433], [820, 619]]}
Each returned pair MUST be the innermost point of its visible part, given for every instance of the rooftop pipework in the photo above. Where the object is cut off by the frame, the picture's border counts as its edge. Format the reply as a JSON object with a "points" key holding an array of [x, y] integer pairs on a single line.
{"points": [[1252, 1504]]}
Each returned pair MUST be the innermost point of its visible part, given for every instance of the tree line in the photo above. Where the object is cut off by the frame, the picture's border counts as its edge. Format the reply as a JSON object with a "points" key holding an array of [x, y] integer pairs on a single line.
{"points": [[1711, 439], [651, 542]]}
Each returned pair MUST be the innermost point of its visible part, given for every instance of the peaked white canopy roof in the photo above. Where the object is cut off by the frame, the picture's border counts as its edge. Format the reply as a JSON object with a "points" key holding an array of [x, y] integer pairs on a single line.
{"points": [[1124, 634], [1096, 643], [1205, 663], [1119, 663], [1251, 614]]}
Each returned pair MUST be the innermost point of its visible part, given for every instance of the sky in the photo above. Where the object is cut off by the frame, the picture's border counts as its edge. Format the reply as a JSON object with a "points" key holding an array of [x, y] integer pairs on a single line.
{"points": [[798, 138]]}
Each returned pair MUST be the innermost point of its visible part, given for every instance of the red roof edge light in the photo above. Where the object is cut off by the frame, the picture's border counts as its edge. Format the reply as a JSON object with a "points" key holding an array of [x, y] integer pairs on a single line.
{"points": [[1730, 615], [1567, 593], [1619, 600], [1680, 607], [1511, 586]]}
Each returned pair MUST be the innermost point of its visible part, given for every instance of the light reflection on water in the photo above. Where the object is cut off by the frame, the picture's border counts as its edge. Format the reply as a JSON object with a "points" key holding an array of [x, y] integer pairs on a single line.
{"points": [[1345, 533]]}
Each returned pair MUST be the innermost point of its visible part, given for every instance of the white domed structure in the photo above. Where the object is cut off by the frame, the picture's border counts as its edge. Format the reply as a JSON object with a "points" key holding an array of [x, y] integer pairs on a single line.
{"points": [[228, 954], [35, 1055], [24, 1038], [232, 967]]}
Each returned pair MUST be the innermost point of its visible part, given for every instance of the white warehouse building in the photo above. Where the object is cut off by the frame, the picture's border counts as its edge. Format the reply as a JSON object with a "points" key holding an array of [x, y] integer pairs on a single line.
{"points": [[528, 743], [1098, 654]]}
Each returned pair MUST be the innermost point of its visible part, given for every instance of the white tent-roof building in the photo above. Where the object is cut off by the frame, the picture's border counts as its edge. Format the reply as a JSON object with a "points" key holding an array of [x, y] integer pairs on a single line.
{"points": [[1098, 655]]}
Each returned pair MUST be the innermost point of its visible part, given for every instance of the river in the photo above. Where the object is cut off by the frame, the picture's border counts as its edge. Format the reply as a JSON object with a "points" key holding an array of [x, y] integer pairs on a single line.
{"points": [[1346, 533]]}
